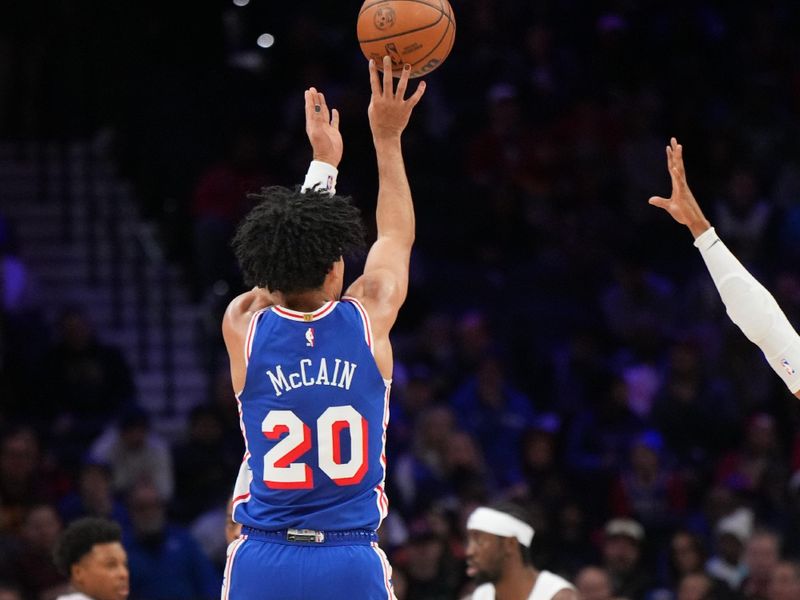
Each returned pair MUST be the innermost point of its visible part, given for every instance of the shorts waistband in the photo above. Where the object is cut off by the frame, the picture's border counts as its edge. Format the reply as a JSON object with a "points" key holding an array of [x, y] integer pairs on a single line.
{"points": [[313, 537]]}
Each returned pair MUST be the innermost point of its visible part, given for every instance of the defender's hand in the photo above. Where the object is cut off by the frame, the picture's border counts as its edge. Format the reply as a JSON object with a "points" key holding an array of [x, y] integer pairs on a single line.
{"points": [[322, 128], [682, 205], [388, 111]]}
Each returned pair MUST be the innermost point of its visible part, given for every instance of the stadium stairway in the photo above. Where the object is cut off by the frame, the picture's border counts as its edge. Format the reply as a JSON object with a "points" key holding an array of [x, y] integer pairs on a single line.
{"points": [[81, 236]]}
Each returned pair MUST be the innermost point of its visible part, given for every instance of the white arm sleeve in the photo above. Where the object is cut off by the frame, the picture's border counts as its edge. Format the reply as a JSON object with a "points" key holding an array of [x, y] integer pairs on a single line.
{"points": [[320, 176], [753, 309]]}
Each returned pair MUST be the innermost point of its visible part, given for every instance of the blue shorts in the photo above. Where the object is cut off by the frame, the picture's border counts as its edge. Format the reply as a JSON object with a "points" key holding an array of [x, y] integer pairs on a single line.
{"points": [[345, 565]]}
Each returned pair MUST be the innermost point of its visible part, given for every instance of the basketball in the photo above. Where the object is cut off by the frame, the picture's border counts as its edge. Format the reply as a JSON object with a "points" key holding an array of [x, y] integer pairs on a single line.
{"points": [[418, 32]]}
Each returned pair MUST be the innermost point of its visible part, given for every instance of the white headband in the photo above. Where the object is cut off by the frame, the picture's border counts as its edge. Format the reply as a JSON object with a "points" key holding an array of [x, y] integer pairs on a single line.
{"points": [[500, 523]]}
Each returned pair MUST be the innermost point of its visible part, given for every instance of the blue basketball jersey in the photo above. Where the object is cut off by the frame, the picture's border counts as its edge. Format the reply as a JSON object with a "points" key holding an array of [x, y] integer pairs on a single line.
{"points": [[313, 412]]}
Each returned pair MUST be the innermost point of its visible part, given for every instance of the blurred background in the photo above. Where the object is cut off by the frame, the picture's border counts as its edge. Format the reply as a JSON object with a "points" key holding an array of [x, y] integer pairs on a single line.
{"points": [[562, 344]]}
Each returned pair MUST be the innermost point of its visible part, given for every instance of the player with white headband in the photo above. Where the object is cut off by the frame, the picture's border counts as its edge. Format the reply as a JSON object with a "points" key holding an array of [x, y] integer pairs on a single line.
{"points": [[498, 543], [749, 305]]}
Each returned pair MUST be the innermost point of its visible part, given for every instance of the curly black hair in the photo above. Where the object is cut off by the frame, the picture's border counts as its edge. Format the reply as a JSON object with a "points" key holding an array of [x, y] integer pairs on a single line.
{"points": [[290, 240], [77, 540]]}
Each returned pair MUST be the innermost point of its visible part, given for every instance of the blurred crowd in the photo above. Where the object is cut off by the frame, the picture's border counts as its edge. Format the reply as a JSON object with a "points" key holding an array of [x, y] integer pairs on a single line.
{"points": [[562, 344]]}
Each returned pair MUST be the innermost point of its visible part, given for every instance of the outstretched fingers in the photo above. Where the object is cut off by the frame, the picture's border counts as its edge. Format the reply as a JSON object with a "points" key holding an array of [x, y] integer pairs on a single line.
{"points": [[309, 104], [402, 83], [314, 103], [387, 76], [659, 202], [677, 150], [374, 84], [323, 111], [335, 119], [417, 95]]}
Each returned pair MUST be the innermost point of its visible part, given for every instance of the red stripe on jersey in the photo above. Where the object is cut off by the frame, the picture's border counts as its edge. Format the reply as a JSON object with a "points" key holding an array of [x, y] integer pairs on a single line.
{"points": [[364, 318], [251, 330]]}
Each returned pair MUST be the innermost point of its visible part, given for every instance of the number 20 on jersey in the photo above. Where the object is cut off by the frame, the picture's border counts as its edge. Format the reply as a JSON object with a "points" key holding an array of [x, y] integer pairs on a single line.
{"points": [[280, 469]]}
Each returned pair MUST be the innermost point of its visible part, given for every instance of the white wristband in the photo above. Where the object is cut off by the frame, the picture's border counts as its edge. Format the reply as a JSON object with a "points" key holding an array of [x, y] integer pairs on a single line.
{"points": [[321, 176], [706, 239]]}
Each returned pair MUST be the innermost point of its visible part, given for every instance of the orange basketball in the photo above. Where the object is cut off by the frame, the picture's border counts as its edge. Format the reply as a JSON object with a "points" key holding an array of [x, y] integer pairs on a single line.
{"points": [[418, 32]]}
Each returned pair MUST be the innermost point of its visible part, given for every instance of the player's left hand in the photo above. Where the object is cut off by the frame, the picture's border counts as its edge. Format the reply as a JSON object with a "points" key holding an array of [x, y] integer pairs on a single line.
{"points": [[322, 128], [389, 110]]}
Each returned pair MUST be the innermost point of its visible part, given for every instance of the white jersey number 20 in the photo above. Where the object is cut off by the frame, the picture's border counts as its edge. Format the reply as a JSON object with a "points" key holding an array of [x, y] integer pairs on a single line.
{"points": [[280, 470]]}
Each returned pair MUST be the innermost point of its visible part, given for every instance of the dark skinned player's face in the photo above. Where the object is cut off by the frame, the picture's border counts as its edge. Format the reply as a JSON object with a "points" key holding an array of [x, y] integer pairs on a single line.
{"points": [[103, 572], [485, 555]]}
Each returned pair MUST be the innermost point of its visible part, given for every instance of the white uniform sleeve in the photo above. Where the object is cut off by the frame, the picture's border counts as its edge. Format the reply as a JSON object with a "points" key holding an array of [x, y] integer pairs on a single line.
{"points": [[753, 309]]}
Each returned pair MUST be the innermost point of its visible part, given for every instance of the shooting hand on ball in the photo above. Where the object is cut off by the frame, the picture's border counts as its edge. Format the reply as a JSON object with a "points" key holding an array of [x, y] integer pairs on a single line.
{"points": [[389, 110], [322, 128]]}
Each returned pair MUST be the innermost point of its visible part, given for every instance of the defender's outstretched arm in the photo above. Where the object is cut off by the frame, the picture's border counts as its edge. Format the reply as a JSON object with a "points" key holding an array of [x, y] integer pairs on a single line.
{"points": [[748, 303]]}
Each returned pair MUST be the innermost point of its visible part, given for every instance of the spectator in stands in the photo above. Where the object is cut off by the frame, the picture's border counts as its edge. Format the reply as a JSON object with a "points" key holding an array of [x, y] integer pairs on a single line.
{"points": [[647, 490], [638, 307], [697, 586], [34, 566], [544, 479], [203, 465], [206, 530], [687, 555], [743, 217], [570, 532], [492, 409], [688, 400], [747, 468], [430, 569], [219, 202], [93, 497], [599, 437], [761, 555], [732, 533], [23, 481], [166, 563], [419, 473], [465, 471], [10, 591], [85, 384], [134, 452], [785, 581], [593, 583], [622, 558]]}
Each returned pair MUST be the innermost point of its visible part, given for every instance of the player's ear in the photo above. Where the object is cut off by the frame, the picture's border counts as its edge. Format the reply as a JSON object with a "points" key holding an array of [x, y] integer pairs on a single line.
{"points": [[76, 572]]}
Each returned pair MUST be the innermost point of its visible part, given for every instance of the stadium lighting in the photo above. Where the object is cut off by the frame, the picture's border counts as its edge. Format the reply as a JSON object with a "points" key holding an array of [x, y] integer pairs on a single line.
{"points": [[265, 40]]}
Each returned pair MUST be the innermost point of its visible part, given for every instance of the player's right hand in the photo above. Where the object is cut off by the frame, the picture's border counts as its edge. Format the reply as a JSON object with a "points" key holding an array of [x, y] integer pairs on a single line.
{"points": [[681, 205], [322, 128], [389, 110]]}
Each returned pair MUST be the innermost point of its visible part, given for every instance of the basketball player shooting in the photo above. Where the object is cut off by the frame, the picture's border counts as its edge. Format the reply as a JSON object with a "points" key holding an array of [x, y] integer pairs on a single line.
{"points": [[749, 305], [312, 368]]}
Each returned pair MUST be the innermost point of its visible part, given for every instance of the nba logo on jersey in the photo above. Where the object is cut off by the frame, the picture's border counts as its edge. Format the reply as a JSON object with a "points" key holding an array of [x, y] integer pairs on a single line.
{"points": [[310, 337], [788, 367]]}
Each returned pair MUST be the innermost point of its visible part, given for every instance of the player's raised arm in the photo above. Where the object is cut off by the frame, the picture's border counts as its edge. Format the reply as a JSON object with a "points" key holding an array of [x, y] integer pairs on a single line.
{"points": [[383, 286], [749, 305], [322, 129]]}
